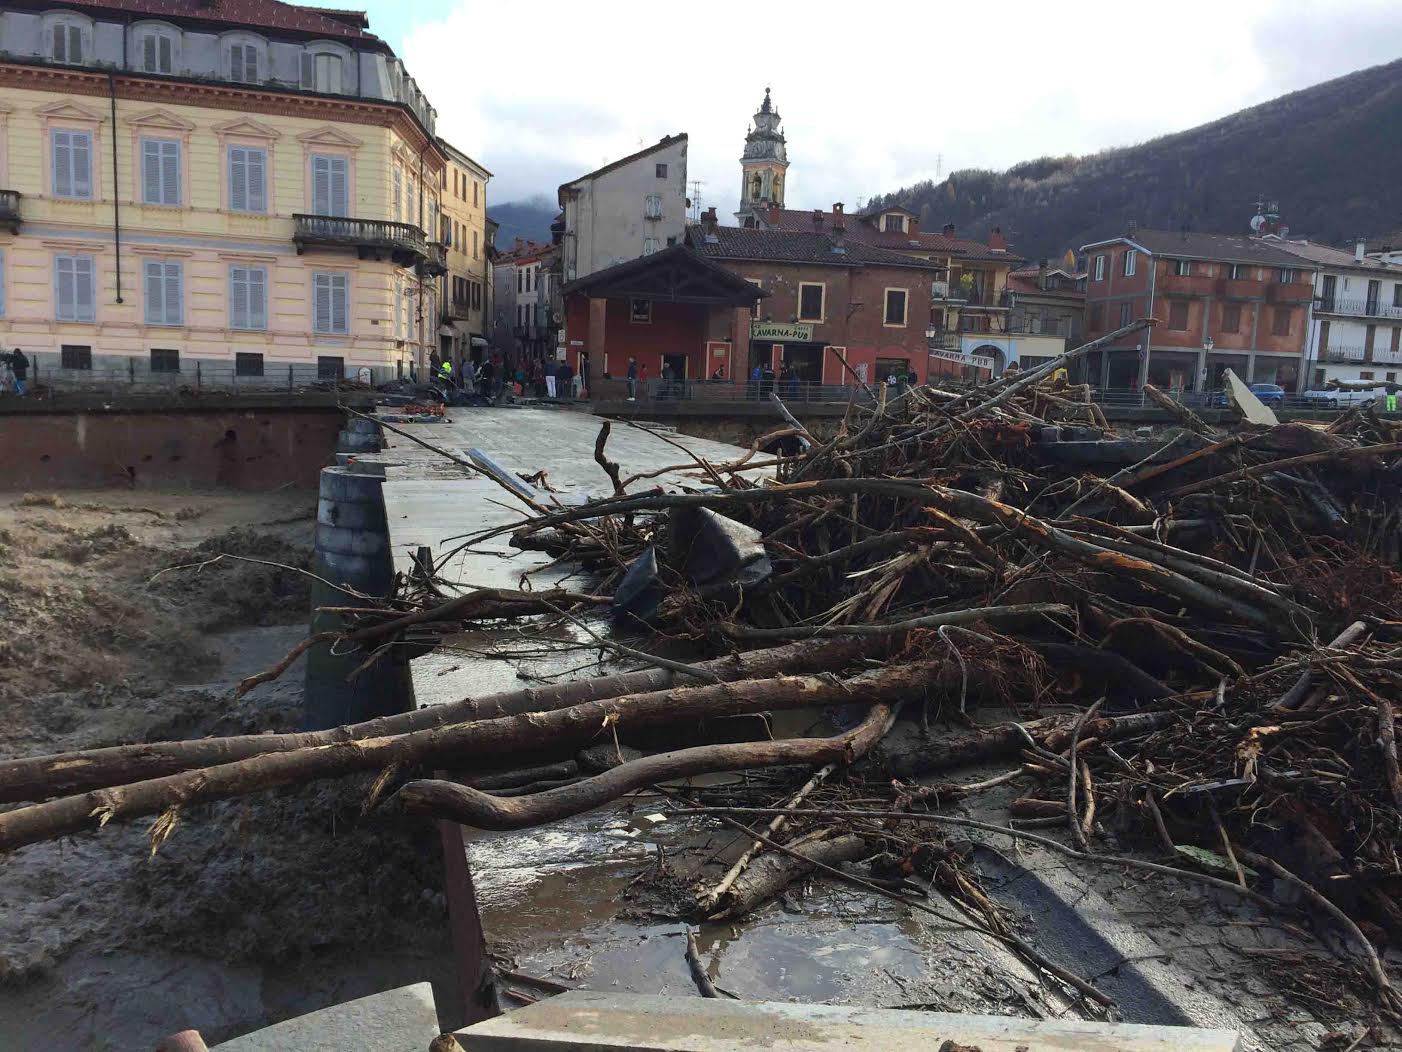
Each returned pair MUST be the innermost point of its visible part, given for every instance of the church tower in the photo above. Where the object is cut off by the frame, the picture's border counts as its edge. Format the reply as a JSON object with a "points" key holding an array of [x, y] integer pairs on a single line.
{"points": [[763, 166]]}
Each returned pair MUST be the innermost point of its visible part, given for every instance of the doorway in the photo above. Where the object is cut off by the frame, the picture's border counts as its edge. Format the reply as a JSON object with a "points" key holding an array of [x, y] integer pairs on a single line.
{"points": [[674, 367]]}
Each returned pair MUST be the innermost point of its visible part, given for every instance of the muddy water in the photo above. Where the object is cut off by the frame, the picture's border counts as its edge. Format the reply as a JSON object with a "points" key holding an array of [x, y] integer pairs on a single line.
{"points": [[564, 902]]}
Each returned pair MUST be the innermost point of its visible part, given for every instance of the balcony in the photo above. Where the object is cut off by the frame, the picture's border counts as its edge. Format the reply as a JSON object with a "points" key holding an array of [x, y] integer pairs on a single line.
{"points": [[981, 299], [1243, 289], [939, 290], [404, 243], [457, 310], [9, 209], [435, 261], [1364, 308], [1336, 353], [1186, 285], [1293, 293], [1387, 356]]}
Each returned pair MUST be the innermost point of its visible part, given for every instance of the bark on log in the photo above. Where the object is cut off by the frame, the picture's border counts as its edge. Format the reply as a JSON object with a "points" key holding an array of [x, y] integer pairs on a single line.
{"points": [[487, 740], [770, 874], [39, 777], [459, 803], [919, 756]]}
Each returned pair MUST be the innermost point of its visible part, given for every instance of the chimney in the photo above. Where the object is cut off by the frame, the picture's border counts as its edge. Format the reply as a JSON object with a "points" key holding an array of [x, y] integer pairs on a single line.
{"points": [[1359, 249], [709, 220], [838, 224], [913, 225], [996, 241], [1041, 273], [817, 219], [949, 230]]}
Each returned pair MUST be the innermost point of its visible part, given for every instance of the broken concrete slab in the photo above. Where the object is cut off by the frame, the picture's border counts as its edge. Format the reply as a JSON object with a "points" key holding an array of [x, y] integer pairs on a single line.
{"points": [[584, 1019], [402, 1020], [1256, 411]]}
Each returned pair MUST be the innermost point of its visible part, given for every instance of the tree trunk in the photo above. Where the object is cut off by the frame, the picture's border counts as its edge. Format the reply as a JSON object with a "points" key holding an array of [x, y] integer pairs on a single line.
{"points": [[482, 741], [39, 777], [459, 803], [772, 873]]}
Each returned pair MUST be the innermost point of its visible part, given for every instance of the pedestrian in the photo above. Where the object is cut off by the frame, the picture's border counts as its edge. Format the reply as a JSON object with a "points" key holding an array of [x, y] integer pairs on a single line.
{"points": [[642, 377], [766, 381], [19, 365], [666, 391], [443, 369], [756, 375], [551, 375], [564, 381], [719, 375], [632, 378], [538, 379]]}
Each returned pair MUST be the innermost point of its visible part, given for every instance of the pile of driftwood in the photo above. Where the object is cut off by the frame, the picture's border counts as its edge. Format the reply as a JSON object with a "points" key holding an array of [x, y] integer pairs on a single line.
{"points": [[1190, 640]]}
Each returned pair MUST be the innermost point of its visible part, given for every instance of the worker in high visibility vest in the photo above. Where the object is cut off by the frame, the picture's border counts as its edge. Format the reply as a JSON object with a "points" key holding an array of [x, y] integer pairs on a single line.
{"points": [[445, 371], [1390, 401]]}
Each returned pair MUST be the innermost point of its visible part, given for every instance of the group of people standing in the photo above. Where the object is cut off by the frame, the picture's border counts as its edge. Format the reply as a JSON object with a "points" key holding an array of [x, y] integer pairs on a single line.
{"points": [[543, 378], [14, 372]]}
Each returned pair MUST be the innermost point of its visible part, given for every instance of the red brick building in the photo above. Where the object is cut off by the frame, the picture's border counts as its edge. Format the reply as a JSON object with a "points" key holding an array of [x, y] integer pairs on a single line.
{"points": [[824, 290], [1222, 301], [674, 307]]}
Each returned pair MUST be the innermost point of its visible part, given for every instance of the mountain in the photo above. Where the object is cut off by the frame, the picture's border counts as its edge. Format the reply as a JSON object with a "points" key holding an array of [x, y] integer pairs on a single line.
{"points": [[529, 219], [1330, 154]]}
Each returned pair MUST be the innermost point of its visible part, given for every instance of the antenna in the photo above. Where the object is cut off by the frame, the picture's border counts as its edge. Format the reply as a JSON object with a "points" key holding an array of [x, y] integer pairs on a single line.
{"points": [[939, 165], [696, 185]]}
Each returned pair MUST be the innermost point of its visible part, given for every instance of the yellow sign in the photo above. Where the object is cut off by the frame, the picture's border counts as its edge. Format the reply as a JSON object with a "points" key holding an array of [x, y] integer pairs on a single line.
{"points": [[775, 330]]}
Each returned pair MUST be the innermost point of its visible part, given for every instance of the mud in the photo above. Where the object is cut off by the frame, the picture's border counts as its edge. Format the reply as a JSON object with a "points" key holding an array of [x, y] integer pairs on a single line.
{"points": [[253, 910]]}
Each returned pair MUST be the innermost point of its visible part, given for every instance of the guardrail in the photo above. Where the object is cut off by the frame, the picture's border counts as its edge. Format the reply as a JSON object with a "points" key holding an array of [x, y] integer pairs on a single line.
{"points": [[1357, 308], [134, 375]]}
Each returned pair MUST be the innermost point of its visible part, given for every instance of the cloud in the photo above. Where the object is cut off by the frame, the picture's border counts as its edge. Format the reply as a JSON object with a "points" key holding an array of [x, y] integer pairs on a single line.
{"points": [[544, 94]]}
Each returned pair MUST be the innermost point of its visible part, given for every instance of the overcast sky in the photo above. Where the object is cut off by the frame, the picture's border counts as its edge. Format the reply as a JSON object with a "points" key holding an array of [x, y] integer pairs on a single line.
{"points": [[544, 91]]}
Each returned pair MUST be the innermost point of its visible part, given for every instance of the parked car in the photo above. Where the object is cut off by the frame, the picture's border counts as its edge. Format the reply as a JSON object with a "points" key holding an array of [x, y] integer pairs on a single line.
{"points": [[1271, 395], [1333, 397]]}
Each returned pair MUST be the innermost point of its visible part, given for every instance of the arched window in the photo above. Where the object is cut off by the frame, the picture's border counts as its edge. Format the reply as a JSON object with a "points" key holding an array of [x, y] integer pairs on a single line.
{"points": [[156, 48], [327, 68], [755, 188], [779, 189], [67, 38], [245, 58]]}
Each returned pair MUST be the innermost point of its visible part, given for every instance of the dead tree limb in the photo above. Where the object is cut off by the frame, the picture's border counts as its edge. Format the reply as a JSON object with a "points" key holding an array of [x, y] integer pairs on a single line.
{"points": [[439, 798], [39, 777], [610, 466], [484, 741], [1344, 453], [773, 872]]}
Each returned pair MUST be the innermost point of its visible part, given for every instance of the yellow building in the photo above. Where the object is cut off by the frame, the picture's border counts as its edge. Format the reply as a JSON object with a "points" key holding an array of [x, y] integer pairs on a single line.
{"points": [[250, 198], [464, 295]]}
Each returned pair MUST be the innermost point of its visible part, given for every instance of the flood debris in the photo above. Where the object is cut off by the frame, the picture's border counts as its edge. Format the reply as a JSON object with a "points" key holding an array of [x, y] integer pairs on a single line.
{"points": [[1198, 637]]}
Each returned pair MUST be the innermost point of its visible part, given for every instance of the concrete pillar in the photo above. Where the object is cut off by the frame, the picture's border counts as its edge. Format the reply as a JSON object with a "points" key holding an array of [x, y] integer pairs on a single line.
{"points": [[740, 341], [598, 313]]}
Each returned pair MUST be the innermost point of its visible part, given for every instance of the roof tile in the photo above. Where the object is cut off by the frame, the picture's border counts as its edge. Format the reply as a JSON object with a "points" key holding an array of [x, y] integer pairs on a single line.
{"points": [[797, 246]]}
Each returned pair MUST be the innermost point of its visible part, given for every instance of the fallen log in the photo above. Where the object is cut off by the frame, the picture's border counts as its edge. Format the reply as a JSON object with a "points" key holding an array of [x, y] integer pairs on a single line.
{"points": [[40, 777], [919, 756], [486, 740], [771, 873], [439, 798]]}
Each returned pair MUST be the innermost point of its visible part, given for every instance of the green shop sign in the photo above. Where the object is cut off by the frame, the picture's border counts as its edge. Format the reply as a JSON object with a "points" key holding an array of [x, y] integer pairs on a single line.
{"points": [[773, 330]]}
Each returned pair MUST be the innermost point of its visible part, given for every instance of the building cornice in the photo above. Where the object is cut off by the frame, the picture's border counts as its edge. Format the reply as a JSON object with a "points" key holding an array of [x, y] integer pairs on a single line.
{"points": [[236, 98]]}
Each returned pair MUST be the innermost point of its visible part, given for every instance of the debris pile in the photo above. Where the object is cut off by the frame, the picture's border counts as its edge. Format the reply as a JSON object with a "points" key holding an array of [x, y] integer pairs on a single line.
{"points": [[1196, 633]]}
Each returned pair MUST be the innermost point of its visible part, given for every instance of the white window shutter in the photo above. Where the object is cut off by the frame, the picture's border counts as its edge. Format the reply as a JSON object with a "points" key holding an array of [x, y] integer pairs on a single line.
{"points": [[238, 179], [341, 302], [150, 171], [81, 145], [236, 62], [321, 185], [258, 298], [175, 298], [238, 298], [63, 163], [308, 71], [155, 292], [148, 53], [165, 54], [75, 44], [340, 198], [83, 284], [257, 180], [321, 303], [65, 298], [170, 173], [398, 191]]}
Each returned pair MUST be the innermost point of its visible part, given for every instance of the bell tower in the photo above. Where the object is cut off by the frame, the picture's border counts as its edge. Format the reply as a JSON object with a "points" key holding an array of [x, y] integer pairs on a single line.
{"points": [[763, 166]]}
